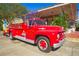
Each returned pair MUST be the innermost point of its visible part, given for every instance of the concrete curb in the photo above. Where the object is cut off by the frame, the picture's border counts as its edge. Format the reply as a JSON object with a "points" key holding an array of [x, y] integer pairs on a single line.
{"points": [[72, 39]]}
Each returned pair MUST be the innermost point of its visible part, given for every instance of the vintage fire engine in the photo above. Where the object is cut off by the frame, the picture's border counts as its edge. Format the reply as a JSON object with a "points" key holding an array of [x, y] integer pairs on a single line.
{"points": [[35, 31]]}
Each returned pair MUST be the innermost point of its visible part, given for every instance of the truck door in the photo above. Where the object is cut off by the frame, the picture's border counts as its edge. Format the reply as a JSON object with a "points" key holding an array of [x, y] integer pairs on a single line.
{"points": [[30, 30]]}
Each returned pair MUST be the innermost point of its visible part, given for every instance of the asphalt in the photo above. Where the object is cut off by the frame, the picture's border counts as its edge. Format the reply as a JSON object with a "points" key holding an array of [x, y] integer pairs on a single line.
{"points": [[19, 48]]}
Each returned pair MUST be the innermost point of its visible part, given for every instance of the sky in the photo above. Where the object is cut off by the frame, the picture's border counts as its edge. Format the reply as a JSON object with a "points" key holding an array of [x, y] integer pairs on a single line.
{"points": [[37, 6]]}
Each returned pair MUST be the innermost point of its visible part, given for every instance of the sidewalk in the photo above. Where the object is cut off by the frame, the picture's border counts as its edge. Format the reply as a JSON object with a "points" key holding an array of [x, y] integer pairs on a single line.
{"points": [[73, 36]]}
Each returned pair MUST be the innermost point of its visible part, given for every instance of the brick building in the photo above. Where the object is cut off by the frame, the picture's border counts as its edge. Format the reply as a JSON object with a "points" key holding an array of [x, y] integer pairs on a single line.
{"points": [[58, 9]]}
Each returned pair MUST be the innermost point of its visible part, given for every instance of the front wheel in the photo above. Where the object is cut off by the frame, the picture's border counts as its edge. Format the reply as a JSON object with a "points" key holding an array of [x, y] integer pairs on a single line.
{"points": [[43, 44]]}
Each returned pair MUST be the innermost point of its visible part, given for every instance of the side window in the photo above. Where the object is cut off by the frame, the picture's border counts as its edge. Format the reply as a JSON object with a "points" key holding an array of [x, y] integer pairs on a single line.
{"points": [[30, 22], [34, 22], [38, 22]]}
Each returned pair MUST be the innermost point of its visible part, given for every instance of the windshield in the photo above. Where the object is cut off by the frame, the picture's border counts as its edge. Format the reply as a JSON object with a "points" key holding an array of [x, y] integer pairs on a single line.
{"points": [[37, 22]]}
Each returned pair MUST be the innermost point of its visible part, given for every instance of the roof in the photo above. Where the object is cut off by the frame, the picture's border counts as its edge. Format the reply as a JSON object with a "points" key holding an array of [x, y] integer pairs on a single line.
{"points": [[58, 5]]}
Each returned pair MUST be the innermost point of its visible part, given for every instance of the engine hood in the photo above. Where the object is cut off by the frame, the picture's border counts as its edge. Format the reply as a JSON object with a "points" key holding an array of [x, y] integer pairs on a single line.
{"points": [[50, 28]]}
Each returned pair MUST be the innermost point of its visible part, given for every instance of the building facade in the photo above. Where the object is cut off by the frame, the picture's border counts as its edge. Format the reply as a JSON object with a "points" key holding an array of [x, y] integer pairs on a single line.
{"points": [[49, 13]]}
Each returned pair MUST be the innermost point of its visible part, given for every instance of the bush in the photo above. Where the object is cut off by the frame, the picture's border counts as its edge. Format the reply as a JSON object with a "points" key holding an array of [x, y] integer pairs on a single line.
{"points": [[60, 21], [77, 25], [1, 23]]}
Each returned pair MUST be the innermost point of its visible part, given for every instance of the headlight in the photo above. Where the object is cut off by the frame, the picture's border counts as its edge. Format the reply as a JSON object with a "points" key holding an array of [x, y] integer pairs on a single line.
{"points": [[58, 36], [62, 28]]}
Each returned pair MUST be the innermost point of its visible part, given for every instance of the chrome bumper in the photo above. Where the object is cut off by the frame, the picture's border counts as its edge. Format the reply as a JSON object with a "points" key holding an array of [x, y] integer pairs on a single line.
{"points": [[58, 44]]}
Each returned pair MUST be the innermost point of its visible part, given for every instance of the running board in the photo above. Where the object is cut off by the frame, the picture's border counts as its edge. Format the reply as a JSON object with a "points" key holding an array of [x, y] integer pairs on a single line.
{"points": [[24, 39]]}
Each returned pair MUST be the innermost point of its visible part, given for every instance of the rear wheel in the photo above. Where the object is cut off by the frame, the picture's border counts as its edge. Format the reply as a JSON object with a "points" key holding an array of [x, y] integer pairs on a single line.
{"points": [[43, 44]]}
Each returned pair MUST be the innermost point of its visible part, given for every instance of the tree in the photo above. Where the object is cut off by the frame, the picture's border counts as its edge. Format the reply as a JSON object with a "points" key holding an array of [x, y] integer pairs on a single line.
{"points": [[77, 25], [60, 21], [10, 10], [1, 24]]}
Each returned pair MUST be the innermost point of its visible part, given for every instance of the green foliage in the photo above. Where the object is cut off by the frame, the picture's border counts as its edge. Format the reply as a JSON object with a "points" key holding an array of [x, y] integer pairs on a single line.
{"points": [[60, 21], [8, 10], [1, 27], [77, 25]]}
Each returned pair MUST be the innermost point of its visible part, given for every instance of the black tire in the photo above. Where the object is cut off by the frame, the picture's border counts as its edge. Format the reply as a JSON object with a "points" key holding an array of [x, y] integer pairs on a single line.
{"points": [[42, 38], [55, 49], [10, 36]]}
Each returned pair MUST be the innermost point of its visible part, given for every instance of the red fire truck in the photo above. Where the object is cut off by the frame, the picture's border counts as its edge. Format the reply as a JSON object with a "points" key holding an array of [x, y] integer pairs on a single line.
{"points": [[35, 31]]}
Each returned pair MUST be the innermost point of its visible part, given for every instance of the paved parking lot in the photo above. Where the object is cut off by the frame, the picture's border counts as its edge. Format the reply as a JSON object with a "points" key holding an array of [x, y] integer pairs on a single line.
{"points": [[18, 48]]}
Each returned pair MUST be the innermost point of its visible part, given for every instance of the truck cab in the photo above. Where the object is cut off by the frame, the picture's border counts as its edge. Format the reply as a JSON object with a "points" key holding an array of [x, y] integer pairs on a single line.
{"points": [[36, 31]]}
